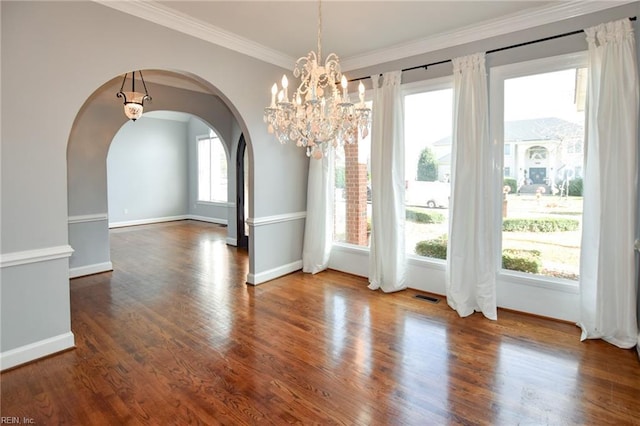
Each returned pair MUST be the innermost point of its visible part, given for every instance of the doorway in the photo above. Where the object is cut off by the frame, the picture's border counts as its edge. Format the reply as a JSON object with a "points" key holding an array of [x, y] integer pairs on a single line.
{"points": [[242, 194]]}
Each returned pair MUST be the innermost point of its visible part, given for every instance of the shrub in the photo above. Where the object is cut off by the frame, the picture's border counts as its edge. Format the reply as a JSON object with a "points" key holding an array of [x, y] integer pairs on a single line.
{"points": [[545, 224], [575, 187], [433, 248], [514, 260], [424, 217], [521, 260], [511, 183]]}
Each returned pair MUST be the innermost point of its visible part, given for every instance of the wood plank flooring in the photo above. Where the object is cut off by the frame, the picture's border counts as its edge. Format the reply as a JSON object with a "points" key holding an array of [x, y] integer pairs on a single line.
{"points": [[174, 336]]}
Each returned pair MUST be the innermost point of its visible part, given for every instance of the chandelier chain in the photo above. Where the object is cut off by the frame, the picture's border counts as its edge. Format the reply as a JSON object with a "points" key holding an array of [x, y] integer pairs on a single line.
{"points": [[319, 31]]}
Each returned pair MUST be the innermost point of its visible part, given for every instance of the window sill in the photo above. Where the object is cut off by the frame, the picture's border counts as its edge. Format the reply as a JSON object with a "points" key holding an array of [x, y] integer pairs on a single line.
{"points": [[430, 262], [212, 203], [540, 281], [350, 248]]}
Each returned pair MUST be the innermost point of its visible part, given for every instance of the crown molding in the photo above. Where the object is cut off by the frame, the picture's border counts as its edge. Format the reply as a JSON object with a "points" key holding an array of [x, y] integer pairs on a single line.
{"points": [[171, 18], [155, 12], [487, 29]]}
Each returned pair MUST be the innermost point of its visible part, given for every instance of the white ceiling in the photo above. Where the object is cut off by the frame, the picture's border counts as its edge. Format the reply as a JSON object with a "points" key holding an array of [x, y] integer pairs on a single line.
{"points": [[350, 28], [362, 33]]}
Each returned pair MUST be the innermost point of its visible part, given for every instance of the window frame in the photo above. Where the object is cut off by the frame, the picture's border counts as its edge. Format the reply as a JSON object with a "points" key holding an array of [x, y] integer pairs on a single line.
{"points": [[343, 245], [408, 89], [212, 135], [497, 76]]}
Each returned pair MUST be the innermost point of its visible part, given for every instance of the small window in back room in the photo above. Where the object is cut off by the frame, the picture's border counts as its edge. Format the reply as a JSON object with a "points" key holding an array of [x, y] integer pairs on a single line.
{"points": [[212, 169]]}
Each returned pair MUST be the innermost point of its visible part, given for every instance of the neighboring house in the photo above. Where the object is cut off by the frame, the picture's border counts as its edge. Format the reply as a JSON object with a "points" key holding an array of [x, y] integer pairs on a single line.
{"points": [[536, 151], [543, 150]]}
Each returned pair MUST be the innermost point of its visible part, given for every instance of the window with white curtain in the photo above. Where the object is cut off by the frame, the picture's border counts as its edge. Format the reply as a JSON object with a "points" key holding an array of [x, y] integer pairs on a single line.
{"points": [[428, 125], [538, 111], [212, 169]]}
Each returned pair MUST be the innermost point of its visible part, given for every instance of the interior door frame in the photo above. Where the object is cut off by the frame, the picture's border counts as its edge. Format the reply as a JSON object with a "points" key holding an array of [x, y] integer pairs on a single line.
{"points": [[243, 238]]}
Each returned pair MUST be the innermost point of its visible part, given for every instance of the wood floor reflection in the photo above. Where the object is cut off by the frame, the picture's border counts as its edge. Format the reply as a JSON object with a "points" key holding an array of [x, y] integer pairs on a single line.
{"points": [[174, 336]]}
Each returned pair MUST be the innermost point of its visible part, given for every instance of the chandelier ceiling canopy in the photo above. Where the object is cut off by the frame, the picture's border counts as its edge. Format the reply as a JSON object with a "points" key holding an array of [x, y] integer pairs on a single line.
{"points": [[319, 116]]}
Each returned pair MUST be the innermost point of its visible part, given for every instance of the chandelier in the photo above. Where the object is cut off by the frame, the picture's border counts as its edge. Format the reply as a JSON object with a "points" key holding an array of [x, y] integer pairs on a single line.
{"points": [[133, 101], [318, 116]]}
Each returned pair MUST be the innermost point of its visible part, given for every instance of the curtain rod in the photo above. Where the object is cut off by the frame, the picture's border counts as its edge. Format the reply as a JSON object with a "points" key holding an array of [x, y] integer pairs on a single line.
{"points": [[500, 49]]}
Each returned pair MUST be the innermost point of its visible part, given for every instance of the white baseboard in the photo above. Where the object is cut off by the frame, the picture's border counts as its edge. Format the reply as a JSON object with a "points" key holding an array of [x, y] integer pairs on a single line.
{"points": [[207, 219], [274, 273], [33, 351], [167, 219], [146, 221], [96, 268]]}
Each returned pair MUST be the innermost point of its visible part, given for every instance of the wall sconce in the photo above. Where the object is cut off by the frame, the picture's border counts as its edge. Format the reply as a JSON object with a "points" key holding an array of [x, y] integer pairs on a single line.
{"points": [[133, 101]]}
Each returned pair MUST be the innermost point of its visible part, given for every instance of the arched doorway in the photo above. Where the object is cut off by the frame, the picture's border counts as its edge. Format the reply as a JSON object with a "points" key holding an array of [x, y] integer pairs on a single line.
{"points": [[94, 129]]}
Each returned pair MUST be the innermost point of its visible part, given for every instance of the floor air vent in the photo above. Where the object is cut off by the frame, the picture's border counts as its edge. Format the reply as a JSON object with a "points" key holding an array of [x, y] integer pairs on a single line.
{"points": [[427, 298]]}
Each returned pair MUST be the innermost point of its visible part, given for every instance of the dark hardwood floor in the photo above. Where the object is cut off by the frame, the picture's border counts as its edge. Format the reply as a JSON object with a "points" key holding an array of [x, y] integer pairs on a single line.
{"points": [[174, 336]]}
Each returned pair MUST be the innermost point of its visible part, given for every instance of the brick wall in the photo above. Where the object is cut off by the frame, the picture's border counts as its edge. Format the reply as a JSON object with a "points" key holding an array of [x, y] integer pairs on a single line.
{"points": [[356, 197]]}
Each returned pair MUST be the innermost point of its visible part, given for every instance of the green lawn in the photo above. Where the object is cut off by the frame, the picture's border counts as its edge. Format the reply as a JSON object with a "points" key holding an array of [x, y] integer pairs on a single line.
{"points": [[560, 251]]}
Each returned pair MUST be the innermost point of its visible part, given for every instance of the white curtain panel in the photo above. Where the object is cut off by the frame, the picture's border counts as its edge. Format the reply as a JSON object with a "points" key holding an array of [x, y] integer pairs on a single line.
{"points": [[472, 250], [318, 230], [607, 267], [387, 259]]}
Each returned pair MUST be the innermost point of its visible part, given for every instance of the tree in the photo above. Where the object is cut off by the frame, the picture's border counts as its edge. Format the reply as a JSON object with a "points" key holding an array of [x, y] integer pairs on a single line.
{"points": [[427, 166]]}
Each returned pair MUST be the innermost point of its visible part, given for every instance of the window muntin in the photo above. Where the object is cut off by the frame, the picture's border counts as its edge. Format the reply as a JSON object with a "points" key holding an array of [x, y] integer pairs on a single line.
{"points": [[212, 169]]}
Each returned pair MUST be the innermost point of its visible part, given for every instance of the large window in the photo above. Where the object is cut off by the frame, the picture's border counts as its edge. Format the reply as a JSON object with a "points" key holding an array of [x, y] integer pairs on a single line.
{"points": [[352, 195], [212, 169], [538, 116], [541, 105], [428, 128]]}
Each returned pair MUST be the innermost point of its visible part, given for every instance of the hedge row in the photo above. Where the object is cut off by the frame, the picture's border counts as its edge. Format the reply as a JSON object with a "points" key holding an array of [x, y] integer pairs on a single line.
{"points": [[433, 248], [514, 260], [424, 217], [545, 224], [522, 260]]}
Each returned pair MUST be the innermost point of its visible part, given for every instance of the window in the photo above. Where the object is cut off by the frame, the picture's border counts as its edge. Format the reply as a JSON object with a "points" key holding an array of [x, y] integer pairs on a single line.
{"points": [[542, 119], [212, 169], [428, 127], [352, 194]]}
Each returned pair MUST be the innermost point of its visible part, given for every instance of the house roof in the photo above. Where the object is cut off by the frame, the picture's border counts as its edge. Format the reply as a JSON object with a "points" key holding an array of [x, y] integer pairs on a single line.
{"points": [[536, 129], [540, 129]]}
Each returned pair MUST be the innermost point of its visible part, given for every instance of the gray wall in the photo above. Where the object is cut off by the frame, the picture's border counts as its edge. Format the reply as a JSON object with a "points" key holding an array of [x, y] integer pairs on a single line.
{"points": [[147, 171], [55, 57], [152, 173]]}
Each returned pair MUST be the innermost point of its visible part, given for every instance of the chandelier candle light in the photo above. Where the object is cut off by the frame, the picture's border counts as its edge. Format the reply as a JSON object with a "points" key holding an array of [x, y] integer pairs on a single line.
{"points": [[317, 117]]}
